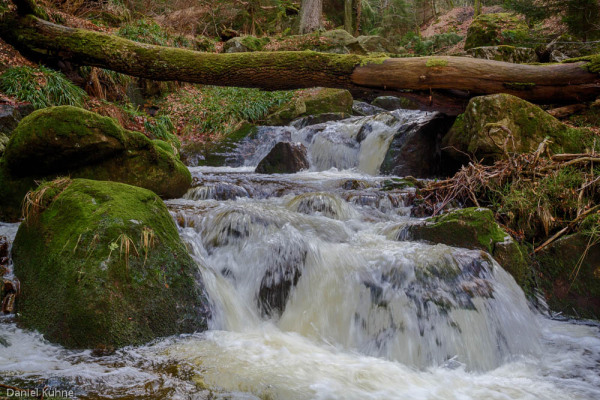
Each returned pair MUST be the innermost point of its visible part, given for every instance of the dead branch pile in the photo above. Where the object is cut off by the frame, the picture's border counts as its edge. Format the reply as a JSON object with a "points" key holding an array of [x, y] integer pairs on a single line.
{"points": [[536, 196]]}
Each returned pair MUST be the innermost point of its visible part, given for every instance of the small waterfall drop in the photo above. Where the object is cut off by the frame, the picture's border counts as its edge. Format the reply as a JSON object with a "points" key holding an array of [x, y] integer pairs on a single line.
{"points": [[357, 142]]}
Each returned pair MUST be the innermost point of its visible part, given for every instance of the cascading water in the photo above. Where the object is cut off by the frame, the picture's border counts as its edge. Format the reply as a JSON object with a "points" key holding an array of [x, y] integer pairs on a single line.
{"points": [[316, 295]]}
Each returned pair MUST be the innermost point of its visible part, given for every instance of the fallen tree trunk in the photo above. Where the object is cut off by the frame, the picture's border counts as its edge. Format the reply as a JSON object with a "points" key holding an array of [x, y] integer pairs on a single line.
{"points": [[557, 83]]}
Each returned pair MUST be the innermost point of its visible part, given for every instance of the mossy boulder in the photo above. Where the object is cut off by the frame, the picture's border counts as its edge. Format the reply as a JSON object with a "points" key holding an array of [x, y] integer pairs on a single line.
{"points": [[101, 264], [244, 44], [569, 274], [495, 123], [476, 228], [511, 54], [61, 141], [312, 102], [498, 29]]}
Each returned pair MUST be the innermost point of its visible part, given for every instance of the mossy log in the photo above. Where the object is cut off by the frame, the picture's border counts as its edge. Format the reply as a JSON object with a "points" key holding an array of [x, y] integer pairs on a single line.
{"points": [[568, 82]]}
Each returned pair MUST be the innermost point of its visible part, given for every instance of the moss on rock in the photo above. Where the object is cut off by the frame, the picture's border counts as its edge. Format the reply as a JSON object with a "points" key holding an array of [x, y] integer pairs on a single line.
{"points": [[71, 141], [497, 29], [476, 228], [492, 122], [313, 102], [102, 264]]}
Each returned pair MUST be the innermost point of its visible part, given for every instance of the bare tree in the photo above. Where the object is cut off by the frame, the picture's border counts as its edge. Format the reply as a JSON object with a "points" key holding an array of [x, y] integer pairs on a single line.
{"points": [[310, 15]]}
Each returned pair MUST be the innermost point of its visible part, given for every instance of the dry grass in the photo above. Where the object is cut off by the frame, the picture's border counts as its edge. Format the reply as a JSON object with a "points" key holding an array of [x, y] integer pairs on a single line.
{"points": [[36, 201]]}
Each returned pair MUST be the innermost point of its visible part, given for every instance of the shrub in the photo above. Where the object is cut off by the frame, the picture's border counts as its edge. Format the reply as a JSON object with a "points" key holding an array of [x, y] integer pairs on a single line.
{"points": [[42, 87]]}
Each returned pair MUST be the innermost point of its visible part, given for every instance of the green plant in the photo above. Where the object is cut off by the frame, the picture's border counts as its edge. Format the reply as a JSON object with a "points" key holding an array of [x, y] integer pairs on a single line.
{"points": [[148, 31], [218, 110], [42, 87], [428, 46]]}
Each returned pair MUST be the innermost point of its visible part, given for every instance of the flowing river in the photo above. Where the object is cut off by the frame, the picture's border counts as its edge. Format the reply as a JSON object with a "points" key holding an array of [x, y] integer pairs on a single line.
{"points": [[317, 293]]}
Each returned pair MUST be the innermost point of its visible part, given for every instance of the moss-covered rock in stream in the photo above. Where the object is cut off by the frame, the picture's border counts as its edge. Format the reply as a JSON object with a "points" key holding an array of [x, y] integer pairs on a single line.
{"points": [[476, 228], [102, 264], [312, 102], [497, 123], [71, 141], [569, 272], [498, 29]]}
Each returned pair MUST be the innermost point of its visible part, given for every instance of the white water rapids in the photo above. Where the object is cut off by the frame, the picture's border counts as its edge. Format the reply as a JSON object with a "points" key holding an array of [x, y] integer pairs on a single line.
{"points": [[315, 296]]}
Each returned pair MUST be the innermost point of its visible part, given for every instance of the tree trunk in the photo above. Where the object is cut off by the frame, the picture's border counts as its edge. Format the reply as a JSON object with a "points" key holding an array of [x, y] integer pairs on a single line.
{"points": [[477, 7], [556, 83], [348, 16], [310, 15]]}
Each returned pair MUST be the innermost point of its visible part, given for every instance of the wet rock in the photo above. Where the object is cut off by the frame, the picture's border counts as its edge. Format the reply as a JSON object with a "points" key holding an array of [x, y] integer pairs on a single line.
{"points": [[312, 102], [476, 228], [217, 191], [363, 109], [517, 55], [284, 158], [280, 278], [497, 29], [495, 124], [326, 204], [415, 148], [391, 103], [569, 275], [67, 140], [318, 119], [10, 116], [101, 264]]}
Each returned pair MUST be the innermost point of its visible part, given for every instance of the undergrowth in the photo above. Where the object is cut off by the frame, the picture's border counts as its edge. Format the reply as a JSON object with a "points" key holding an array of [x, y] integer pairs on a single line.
{"points": [[216, 111], [42, 87], [148, 31]]}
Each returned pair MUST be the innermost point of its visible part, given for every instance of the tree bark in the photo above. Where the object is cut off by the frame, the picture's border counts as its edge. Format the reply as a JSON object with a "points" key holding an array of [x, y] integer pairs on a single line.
{"points": [[556, 83], [310, 15], [348, 25]]}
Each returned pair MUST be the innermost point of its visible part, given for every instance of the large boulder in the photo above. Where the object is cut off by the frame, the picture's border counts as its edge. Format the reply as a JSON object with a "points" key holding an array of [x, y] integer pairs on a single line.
{"points": [[476, 228], [284, 158], [497, 123], [511, 54], [415, 148], [312, 102], [101, 264], [497, 29], [10, 115], [342, 42], [569, 273], [60, 141]]}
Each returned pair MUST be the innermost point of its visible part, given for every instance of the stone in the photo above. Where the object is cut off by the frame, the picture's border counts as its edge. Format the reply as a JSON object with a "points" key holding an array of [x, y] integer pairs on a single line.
{"points": [[101, 264], [70, 141], [284, 158], [363, 109], [312, 102], [494, 124], [497, 29], [302, 122], [511, 54], [243, 44], [415, 149], [391, 103], [569, 274], [476, 228]]}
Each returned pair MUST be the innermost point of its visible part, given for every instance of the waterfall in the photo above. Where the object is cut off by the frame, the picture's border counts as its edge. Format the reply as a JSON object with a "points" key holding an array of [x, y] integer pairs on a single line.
{"points": [[358, 142]]}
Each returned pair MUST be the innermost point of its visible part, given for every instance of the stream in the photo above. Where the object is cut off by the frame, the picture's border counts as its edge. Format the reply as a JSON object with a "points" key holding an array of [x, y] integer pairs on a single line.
{"points": [[316, 293]]}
